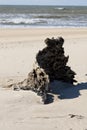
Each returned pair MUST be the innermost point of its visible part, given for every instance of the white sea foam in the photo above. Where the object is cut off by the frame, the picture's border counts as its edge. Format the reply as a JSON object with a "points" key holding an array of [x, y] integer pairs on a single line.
{"points": [[60, 8]]}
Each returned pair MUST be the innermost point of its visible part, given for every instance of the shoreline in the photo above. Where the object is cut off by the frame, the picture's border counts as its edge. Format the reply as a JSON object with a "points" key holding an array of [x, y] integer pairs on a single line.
{"points": [[45, 27]]}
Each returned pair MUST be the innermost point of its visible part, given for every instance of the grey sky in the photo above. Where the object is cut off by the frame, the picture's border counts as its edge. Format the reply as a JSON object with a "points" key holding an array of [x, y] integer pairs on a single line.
{"points": [[45, 2]]}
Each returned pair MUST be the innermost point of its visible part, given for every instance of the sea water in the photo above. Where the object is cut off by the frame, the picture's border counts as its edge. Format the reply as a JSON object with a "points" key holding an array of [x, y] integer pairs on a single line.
{"points": [[43, 16]]}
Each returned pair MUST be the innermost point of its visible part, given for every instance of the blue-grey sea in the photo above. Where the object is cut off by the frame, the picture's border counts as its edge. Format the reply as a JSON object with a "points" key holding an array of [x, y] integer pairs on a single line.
{"points": [[42, 16]]}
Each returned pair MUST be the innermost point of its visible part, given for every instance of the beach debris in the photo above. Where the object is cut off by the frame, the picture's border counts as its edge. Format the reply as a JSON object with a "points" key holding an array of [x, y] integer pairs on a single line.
{"points": [[37, 81], [54, 62], [50, 64], [76, 116]]}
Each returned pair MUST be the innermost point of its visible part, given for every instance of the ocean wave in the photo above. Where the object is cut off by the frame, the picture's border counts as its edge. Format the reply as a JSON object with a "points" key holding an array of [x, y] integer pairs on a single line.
{"points": [[43, 19], [21, 21], [60, 8], [40, 15], [51, 16]]}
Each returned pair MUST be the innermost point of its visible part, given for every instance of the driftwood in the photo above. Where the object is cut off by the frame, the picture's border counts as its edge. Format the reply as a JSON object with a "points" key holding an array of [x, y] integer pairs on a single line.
{"points": [[37, 81], [54, 62], [51, 64]]}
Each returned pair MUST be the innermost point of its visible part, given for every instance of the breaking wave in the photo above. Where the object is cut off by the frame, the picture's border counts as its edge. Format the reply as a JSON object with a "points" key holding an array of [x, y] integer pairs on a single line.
{"points": [[60, 8]]}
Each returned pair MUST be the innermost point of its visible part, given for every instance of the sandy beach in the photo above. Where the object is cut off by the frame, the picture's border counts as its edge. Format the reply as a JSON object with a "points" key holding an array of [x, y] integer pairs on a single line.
{"points": [[23, 109]]}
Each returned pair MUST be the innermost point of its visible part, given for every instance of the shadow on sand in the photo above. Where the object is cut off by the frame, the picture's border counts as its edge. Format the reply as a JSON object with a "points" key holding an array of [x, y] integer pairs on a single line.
{"points": [[65, 90]]}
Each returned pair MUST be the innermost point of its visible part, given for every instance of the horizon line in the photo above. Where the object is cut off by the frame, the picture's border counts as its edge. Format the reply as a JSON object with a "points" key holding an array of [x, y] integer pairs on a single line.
{"points": [[38, 5]]}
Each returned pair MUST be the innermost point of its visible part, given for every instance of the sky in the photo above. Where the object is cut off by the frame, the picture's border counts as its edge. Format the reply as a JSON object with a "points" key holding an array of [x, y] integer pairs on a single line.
{"points": [[43, 2]]}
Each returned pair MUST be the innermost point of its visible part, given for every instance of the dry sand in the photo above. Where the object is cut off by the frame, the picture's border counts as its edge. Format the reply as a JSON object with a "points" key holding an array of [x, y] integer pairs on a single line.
{"points": [[23, 109]]}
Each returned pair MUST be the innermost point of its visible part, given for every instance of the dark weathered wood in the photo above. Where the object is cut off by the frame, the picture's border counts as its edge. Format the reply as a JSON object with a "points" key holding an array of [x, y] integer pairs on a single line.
{"points": [[51, 64], [37, 81], [54, 62]]}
